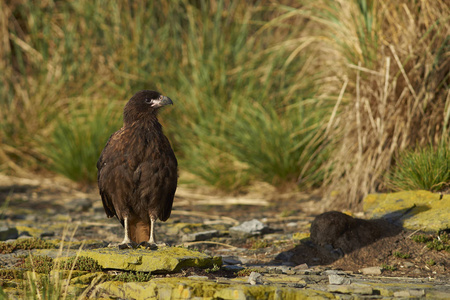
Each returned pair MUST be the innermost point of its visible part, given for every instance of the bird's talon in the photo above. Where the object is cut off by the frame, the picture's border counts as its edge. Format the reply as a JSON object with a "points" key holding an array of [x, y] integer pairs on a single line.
{"points": [[130, 245], [147, 245]]}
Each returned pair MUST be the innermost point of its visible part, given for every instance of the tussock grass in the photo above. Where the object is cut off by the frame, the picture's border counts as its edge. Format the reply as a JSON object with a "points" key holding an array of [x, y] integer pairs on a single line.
{"points": [[426, 168], [391, 60], [79, 137]]}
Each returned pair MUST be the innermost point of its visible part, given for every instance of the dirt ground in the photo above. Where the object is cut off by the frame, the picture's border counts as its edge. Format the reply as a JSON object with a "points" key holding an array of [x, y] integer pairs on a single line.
{"points": [[50, 203]]}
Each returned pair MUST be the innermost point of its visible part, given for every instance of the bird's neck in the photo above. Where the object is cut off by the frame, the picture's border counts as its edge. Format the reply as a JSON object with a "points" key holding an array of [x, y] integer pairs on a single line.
{"points": [[144, 122]]}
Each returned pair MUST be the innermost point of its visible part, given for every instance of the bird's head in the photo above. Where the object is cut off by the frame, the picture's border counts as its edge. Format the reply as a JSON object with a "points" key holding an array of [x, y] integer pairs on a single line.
{"points": [[144, 104]]}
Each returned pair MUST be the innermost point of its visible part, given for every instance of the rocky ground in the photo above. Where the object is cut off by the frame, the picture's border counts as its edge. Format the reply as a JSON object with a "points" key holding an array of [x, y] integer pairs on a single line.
{"points": [[262, 240]]}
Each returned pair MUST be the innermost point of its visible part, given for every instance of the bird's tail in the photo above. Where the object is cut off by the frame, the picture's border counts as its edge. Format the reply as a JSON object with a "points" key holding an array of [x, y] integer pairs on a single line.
{"points": [[139, 230]]}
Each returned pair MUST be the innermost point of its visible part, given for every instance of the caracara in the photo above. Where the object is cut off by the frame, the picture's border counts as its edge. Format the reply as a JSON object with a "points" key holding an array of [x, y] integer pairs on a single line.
{"points": [[137, 171]]}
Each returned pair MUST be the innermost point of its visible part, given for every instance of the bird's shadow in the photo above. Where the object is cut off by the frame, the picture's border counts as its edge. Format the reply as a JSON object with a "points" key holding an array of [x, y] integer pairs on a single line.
{"points": [[334, 234]]}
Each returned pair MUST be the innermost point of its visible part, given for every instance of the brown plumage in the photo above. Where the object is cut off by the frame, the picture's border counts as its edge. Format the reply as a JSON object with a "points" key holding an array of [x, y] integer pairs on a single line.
{"points": [[137, 170]]}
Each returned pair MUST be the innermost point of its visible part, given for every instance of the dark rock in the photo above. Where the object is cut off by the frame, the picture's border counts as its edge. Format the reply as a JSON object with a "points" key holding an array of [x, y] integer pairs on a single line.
{"points": [[231, 260], [47, 234], [232, 268], [346, 233], [200, 236], [25, 234], [7, 233]]}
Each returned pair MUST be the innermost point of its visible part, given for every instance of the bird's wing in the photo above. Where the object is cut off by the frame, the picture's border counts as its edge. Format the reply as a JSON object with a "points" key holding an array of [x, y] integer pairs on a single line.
{"points": [[113, 172], [156, 176]]}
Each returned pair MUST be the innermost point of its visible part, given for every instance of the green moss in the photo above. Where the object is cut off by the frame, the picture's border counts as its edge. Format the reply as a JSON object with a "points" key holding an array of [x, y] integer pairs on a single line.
{"points": [[82, 263], [438, 243], [25, 244], [10, 274], [388, 267], [130, 277], [38, 264], [421, 238], [245, 272], [402, 255], [259, 244]]}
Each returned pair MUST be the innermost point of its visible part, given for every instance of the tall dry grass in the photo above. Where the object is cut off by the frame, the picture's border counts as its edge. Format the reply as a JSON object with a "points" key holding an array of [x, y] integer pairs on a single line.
{"points": [[391, 61]]}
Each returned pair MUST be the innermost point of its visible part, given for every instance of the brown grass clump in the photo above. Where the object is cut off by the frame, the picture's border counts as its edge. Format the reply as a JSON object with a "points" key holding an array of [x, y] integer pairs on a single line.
{"points": [[392, 61]]}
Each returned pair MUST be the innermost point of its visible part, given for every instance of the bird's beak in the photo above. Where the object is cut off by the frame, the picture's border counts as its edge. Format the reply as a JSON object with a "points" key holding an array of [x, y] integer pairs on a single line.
{"points": [[162, 101]]}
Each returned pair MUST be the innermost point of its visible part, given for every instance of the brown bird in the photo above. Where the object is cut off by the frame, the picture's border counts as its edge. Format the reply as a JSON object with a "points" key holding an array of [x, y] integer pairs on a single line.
{"points": [[137, 171]]}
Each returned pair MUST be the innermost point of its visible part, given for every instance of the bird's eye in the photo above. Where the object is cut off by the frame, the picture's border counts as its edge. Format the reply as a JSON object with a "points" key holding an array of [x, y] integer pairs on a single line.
{"points": [[148, 101]]}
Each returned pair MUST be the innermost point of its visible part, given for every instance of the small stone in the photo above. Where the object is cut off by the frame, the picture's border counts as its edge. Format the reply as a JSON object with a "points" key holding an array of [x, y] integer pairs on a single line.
{"points": [[334, 272], [295, 285], [200, 236], [350, 289], [24, 234], [232, 268], [7, 233], [287, 270], [249, 228], [301, 267], [337, 279], [371, 271], [405, 294], [417, 293], [408, 264], [47, 234], [255, 278], [231, 260], [79, 205]]}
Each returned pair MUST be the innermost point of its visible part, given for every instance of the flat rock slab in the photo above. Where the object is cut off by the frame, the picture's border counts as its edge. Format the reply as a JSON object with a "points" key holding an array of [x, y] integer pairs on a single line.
{"points": [[163, 260], [416, 210], [186, 288]]}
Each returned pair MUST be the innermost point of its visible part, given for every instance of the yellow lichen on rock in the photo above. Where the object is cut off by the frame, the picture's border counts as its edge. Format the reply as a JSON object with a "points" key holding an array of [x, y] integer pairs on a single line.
{"points": [[166, 259], [416, 210], [185, 288]]}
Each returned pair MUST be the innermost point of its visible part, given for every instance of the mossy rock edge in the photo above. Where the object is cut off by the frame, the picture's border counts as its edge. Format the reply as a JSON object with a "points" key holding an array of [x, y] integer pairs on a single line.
{"points": [[163, 260]]}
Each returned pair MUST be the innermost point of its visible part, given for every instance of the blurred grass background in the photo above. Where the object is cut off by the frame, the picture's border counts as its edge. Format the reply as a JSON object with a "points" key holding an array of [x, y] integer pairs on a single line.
{"points": [[326, 94]]}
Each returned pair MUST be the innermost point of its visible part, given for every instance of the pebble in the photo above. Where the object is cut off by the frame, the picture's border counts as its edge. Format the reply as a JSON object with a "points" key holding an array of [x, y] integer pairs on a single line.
{"points": [[231, 260], [338, 279], [249, 228], [301, 267], [24, 234], [334, 272], [79, 205], [234, 268], [47, 234], [200, 236], [255, 278], [371, 271], [8, 233]]}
